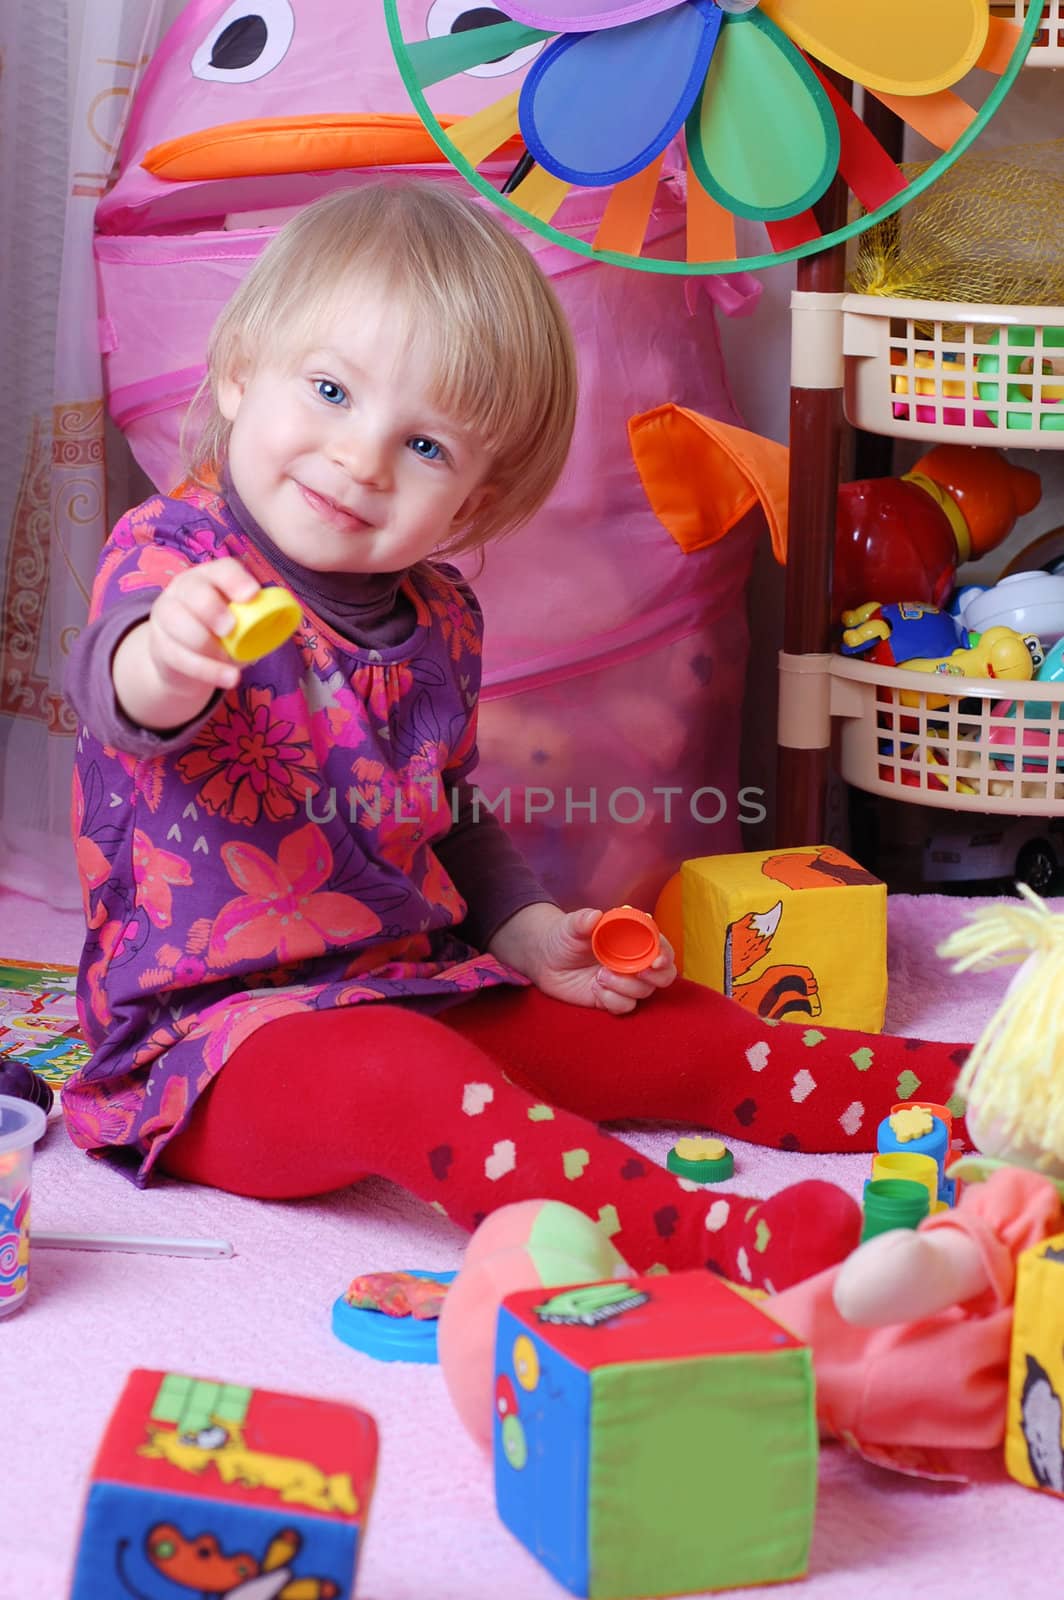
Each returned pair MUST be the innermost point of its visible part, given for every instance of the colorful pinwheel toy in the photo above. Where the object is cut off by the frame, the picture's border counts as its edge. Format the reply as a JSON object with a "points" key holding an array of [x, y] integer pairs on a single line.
{"points": [[741, 92]]}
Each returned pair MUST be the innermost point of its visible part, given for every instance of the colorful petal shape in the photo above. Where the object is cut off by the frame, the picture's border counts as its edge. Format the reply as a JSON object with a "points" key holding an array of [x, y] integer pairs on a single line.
{"points": [[596, 108], [758, 80], [899, 46], [450, 53], [583, 16]]}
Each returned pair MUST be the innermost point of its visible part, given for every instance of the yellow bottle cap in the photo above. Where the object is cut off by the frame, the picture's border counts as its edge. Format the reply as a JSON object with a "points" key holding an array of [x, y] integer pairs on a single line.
{"points": [[701, 1160], [261, 624]]}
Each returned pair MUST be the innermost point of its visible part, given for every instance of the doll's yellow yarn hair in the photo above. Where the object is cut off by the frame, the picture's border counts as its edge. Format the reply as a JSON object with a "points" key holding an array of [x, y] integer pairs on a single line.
{"points": [[1015, 1073]]}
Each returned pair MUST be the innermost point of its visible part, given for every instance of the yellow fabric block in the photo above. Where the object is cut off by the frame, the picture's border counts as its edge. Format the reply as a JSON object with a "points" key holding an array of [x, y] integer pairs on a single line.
{"points": [[1034, 1436], [799, 934]]}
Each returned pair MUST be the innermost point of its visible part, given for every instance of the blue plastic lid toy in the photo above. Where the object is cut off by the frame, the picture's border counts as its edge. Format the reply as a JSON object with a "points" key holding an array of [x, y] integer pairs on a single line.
{"points": [[388, 1337]]}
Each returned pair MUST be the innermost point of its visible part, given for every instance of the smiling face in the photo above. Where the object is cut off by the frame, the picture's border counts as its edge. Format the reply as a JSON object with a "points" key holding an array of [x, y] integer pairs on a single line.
{"points": [[341, 452]]}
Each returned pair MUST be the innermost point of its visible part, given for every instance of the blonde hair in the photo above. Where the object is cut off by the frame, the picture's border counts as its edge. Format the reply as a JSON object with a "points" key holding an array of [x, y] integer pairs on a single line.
{"points": [[501, 347], [1014, 1076]]}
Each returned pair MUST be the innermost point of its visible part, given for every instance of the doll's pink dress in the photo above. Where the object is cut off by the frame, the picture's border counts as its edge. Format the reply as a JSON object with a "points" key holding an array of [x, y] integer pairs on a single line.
{"points": [[929, 1397]]}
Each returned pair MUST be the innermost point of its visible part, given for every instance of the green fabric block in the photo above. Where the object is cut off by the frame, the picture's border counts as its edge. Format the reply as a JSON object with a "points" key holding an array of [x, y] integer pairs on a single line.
{"points": [[702, 1474]]}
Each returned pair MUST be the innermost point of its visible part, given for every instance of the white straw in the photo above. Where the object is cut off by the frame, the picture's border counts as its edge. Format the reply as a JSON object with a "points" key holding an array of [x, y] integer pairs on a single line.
{"points": [[132, 1243]]}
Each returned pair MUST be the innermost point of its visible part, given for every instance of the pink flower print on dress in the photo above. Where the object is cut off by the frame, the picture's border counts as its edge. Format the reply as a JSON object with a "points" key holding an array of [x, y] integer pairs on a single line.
{"points": [[154, 870], [93, 867], [112, 937], [146, 775], [225, 1028], [414, 948], [381, 686], [137, 524], [172, 1108], [247, 761], [282, 912], [438, 886], [189, 969], [93, 1122], [371, 795], [158, 564], [458, 624]]}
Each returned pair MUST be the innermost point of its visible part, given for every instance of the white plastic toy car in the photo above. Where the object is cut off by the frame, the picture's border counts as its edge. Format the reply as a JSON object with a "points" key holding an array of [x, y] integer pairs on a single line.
{"points": [[1024, 849]]}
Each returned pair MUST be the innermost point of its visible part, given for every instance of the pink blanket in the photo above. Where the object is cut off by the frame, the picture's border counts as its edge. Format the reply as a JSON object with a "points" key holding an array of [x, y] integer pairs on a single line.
{"points": [[263, 1317]]}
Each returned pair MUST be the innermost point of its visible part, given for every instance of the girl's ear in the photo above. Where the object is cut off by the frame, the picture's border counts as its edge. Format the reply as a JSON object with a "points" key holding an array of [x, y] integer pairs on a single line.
{"points": [[228, 393]]}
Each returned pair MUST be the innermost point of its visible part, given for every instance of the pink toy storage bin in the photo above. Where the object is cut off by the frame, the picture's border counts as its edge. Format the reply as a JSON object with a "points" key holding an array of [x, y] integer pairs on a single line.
{"points": [[614, 664]]}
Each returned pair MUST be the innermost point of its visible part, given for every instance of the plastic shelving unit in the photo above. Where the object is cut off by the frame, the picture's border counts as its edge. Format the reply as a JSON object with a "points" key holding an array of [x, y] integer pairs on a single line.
{"points": [[1048, 47]]}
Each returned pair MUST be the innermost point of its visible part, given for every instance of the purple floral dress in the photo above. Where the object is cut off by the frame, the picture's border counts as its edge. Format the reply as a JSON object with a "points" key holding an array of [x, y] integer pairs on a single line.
{"points": [[282, 860]]}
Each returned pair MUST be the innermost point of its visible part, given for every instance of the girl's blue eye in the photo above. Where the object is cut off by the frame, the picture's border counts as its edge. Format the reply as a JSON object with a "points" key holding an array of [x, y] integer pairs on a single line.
{"points": [[427, 449], [330, 391]]}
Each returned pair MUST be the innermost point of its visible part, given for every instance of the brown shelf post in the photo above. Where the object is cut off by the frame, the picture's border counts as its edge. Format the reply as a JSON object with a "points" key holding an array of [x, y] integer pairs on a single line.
{"points": [[816, 424]]}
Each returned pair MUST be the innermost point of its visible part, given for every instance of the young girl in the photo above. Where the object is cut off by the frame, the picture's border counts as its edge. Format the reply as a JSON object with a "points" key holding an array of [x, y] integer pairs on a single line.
{"points": [[307, 958]]}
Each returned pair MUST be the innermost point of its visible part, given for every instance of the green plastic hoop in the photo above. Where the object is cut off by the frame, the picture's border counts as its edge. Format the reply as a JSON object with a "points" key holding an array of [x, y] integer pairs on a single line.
{"points": [[849, 230]]}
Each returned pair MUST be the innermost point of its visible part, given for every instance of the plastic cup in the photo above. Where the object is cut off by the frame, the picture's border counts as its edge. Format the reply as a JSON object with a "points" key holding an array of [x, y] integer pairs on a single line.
{"points": [[893, 1203], [626, 940], [909, 1164], [21, 1125]]}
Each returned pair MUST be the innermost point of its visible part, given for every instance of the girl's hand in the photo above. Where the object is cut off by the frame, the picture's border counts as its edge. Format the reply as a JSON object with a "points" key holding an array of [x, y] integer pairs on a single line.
{"points": [[189, 619], [553, 948], [166, 670]]}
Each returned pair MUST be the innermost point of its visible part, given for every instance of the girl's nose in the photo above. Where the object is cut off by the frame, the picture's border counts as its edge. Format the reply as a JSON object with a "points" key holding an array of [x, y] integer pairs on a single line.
{"points": [[363, 454]]}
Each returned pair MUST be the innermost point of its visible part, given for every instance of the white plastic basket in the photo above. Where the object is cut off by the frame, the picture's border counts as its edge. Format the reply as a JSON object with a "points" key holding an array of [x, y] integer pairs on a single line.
{"points": [[1048, 47], [952, 373], [962, 743]]}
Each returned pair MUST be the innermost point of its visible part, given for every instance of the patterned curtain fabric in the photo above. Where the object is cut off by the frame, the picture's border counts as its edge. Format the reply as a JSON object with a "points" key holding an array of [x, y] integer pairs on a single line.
{"points": [[67, 71]]}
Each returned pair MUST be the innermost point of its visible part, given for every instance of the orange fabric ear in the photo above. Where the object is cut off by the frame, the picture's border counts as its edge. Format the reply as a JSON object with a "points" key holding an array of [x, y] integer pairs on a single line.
{"points": [[701, 477], [270, 146]]}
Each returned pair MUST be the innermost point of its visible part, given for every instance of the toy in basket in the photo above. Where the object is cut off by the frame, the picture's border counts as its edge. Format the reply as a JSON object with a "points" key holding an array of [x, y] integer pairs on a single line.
{"points": [[902, 635]]}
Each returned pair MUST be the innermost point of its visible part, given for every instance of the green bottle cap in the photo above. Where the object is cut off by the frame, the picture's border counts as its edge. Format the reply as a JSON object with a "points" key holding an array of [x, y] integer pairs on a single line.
{"points": [[701, 1160], [893, 1203]]}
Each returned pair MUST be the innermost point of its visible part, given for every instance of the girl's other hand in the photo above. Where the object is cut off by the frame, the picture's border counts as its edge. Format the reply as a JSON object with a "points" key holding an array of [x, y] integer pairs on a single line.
{"points": [[553, 948]]}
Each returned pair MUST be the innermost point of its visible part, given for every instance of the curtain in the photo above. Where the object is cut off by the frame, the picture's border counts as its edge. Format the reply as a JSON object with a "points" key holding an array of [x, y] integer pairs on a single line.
{"points": [[67, 72]]}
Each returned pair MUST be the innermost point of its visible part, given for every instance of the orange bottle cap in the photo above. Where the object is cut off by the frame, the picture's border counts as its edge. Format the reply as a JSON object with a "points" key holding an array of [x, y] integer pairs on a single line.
{"points": [[626, 940]]}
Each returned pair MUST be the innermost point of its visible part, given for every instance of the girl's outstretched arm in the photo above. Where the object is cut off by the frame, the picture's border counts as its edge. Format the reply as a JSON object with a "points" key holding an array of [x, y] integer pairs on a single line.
{"points": [[166, 669]]}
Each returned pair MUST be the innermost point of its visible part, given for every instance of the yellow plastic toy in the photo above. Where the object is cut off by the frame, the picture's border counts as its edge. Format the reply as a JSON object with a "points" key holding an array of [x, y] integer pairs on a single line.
{"points": [[952, 388], [997, 653], [261, 624]]}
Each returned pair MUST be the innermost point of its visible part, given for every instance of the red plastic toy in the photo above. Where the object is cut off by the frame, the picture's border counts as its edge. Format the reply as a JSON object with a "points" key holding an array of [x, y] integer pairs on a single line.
{"points": [[904, 538]]}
